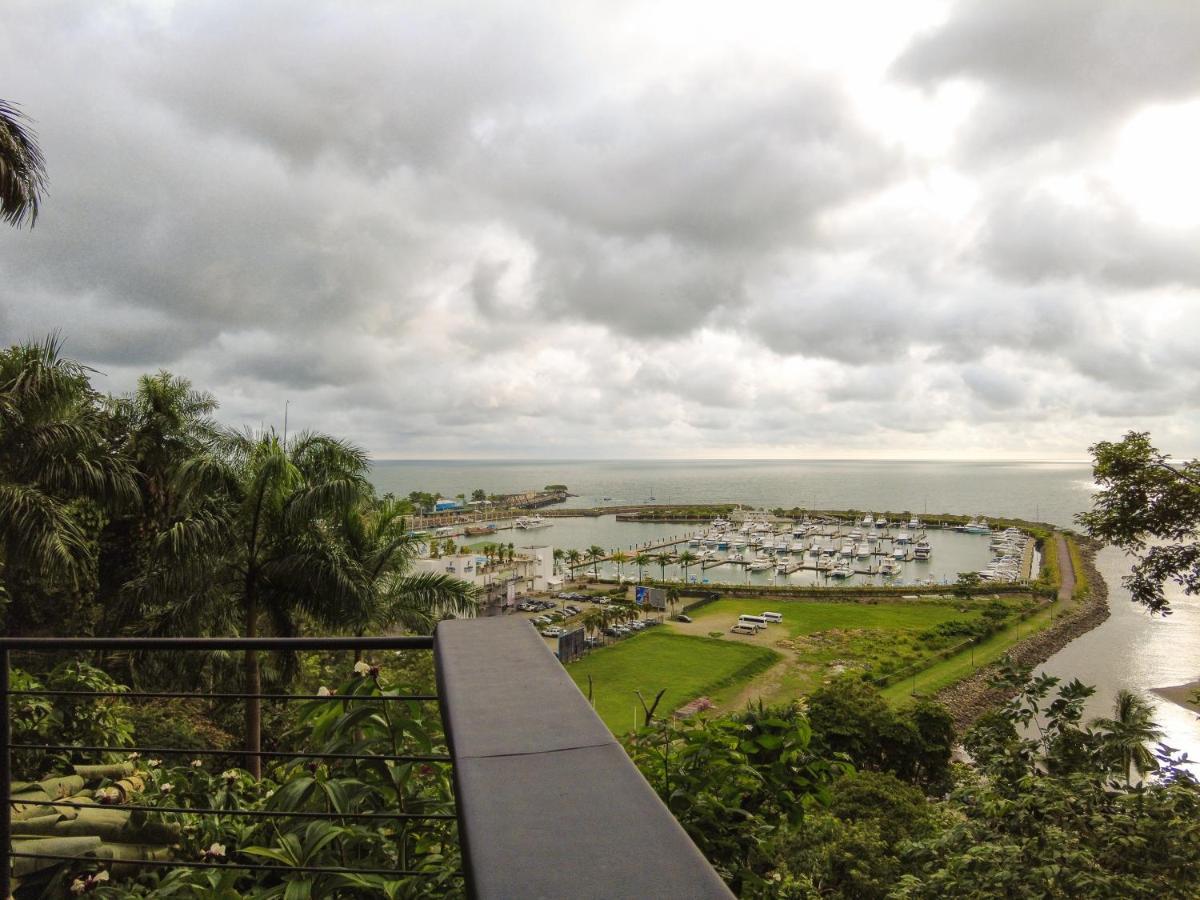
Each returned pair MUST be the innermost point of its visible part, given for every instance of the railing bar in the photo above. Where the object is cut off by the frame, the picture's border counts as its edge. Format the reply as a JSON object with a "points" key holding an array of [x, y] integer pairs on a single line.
{"points": [[183, 751], [185, 695], [260, 813], [409, 642], [255, 867]]}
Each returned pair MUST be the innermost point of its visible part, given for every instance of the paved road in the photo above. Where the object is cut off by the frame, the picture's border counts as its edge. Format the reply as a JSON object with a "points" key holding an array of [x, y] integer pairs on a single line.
{"points": [[1066, 568]]}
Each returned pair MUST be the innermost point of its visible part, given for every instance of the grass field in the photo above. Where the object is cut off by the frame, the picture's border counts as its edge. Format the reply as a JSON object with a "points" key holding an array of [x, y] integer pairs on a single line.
{"points": [[687, 666]]}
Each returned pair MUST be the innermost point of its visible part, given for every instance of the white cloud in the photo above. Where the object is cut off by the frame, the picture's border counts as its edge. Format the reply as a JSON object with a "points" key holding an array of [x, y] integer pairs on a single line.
{"points": [[632, 229]]}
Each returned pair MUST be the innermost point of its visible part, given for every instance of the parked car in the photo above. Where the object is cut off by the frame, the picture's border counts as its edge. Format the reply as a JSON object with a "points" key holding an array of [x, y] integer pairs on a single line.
{"points": [[540, 620], [552, 632], [682, 618]]}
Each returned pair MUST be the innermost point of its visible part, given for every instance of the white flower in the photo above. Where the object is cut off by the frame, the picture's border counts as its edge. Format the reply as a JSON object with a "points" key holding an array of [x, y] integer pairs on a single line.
{"points": [[197, 763], [153, 763], [230, 775], [78, 886], [166, 787], [216, 851], [134, 755], [323, 691], [100, 876], [362, 668]]}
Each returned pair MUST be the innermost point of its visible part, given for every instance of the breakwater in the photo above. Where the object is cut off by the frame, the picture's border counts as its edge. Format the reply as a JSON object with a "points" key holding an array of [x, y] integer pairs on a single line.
{"points": [[970, 698]]}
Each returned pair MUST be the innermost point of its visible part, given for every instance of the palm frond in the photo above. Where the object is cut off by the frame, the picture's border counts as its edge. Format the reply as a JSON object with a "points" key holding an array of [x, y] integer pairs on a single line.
{"points": [[22, 168]]}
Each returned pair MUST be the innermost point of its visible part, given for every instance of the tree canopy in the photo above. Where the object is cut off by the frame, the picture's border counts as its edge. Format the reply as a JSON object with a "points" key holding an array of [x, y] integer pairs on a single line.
{"points": [[1149, 506]]}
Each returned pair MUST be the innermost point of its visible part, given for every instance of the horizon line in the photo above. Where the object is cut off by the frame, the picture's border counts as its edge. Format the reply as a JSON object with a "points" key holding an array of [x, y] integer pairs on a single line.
{"points": [[583, 459]]}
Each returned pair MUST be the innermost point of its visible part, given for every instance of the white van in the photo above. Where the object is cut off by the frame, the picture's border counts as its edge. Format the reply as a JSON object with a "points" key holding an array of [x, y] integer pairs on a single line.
{"points": [[755, 621], [773, 618], [744, 629]]}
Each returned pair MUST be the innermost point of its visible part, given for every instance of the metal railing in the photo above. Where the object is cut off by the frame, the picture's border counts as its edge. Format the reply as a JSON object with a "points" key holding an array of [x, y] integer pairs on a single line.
{"points": [[9, 646]]}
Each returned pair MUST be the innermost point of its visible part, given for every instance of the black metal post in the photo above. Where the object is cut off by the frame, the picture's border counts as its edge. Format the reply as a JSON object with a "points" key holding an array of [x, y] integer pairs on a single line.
{"points": [[5, 781]]}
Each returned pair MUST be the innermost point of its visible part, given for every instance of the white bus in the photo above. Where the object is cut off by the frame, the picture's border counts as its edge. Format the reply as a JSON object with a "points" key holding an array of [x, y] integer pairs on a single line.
{"points": [[744, 629], [756, 621], [773, 617]]}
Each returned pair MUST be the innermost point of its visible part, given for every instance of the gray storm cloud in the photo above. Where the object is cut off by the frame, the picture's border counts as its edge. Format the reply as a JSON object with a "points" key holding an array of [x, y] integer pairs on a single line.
{"points": [[531, 229]]}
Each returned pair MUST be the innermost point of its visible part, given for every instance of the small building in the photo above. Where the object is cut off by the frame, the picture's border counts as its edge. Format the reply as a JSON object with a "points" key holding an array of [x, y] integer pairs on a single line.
{"points": [[444, 505]]}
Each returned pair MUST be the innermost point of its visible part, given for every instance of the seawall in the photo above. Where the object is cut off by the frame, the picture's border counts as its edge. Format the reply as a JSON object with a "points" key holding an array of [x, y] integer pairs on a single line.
{"points": [[970, 698]]}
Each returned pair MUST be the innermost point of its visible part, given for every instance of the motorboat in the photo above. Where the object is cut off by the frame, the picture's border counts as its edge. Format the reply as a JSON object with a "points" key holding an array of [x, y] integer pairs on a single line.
{"points": [[900, 552], [889, 568], [529, 523], [842, 570], [922, 550]]}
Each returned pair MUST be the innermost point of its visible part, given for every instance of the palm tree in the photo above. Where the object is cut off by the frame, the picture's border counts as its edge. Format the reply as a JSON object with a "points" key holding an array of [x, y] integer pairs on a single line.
{"points": [[595, 553], [22, 169], [686, 558], [285, 559], [389, 598], [559, 553], [642, 559], [620, 557], [672, 597], [1125, 736], [663, 560], [55, 454], [164, 423], [573, 557]]}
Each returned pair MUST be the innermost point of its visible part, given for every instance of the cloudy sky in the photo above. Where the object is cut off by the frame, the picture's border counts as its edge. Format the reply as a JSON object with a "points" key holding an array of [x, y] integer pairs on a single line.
{"points": [[674, 229]]}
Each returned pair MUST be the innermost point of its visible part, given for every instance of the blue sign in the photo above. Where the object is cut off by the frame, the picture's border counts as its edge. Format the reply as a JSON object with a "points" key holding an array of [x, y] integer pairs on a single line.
{"points": [[639, 595]]}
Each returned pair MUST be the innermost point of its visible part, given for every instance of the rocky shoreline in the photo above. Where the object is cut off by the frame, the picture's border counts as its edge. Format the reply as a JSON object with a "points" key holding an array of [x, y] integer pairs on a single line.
{"points": [[972, 697]]}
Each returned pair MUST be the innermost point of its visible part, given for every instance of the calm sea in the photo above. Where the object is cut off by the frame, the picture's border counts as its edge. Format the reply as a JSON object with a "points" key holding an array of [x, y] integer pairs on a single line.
{"points": [[1130, 650], [1048, 491]]}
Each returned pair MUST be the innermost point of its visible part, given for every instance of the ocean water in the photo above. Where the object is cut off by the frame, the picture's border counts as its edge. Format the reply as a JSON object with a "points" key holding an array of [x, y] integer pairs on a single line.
{"points": [[1047, 491], [1130, 650]]}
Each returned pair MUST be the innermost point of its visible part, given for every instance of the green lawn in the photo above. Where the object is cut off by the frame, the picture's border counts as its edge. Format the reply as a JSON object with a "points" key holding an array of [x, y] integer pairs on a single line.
{"points": [[800, 617], [688, 667], [946, 672], [820, 639]]}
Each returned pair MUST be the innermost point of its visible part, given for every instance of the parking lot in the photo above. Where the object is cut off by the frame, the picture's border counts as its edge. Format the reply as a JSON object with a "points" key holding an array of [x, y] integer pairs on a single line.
{"points": [[562, 612]]}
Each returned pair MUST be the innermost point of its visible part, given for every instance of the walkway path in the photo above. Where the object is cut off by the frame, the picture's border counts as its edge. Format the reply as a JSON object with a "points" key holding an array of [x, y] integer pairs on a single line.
{"points": [[1066, 568]]}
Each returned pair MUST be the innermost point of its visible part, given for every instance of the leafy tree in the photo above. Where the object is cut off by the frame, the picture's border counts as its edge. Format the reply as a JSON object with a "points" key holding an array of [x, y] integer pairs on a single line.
{"points": [[559, 555], [478, 495], [966, 584], [573, 557], [730, 781], [663, 560], [620, 557], [22, 169], [1149, 506]]}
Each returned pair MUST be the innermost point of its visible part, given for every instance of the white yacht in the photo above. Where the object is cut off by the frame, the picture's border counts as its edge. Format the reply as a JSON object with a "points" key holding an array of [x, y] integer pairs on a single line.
{"points": [[922, 549], [528, 523], [842, 570], [863, 551], [900, 552], [903, 537], [889, 568], [868, 521]]}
